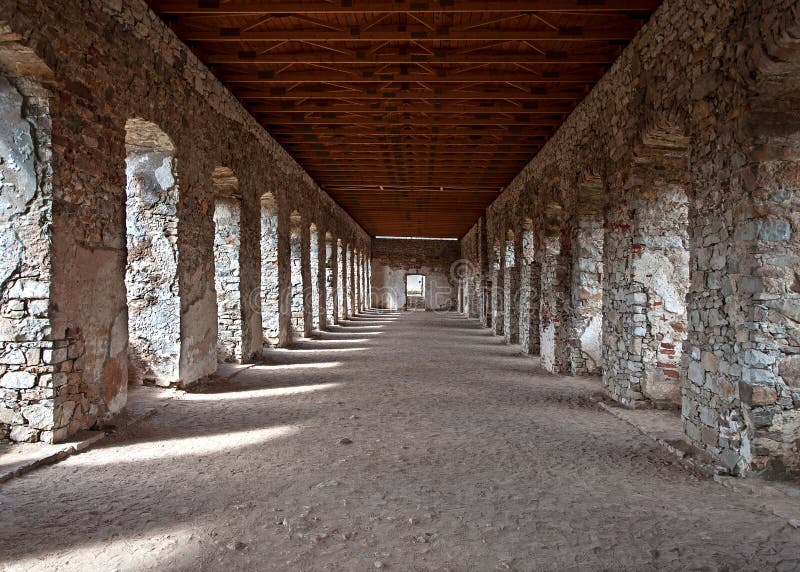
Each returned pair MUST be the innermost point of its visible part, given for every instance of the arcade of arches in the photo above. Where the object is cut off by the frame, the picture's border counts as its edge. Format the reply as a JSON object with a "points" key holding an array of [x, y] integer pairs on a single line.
{"points": [[163, 228]]}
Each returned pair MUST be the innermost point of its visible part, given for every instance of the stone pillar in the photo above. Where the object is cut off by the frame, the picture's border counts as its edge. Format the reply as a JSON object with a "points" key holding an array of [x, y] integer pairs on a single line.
{"points": [[529, 304], [270, 293], [647, 267], [322, 281], [743, 353], [343, 273], [227, 246], [498, 290], [307, 278], [350, 286], [369, 283], [553, 336], [358, 286], [284, 280], [332, 279], [511, 291], [586, 289]]}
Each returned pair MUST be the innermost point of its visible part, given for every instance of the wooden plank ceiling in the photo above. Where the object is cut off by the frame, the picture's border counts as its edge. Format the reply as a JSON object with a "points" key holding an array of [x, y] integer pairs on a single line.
{"points": [[412, 114]]}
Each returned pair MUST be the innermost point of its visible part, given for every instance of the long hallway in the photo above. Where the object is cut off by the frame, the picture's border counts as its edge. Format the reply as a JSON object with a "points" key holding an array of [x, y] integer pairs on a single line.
{"points": [[413, 441]]}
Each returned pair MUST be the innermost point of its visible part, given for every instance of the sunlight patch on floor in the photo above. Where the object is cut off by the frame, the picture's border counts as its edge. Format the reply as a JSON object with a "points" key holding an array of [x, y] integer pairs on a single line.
{"points": [[279, 366], [256, 393], [181, 447]]}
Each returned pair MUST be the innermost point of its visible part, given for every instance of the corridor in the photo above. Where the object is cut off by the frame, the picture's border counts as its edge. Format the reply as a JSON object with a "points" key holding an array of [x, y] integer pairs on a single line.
{"points": [[404, 441]]}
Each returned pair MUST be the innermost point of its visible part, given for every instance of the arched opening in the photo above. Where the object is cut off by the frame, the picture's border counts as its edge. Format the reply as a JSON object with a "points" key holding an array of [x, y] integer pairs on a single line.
{"points": [[369, 284], [227, 274], [498, 290], [151, 278], [351, 282], [313, 241], [270, 293], [359, 281], [528, 292], [341, 294], [331, 275], [296, 265], [552, 288], [647, 263], [510, 291], [587, 280]]}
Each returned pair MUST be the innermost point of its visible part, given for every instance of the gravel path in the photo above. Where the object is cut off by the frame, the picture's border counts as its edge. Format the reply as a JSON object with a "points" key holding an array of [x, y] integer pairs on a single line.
{"points": [[412, 442]]}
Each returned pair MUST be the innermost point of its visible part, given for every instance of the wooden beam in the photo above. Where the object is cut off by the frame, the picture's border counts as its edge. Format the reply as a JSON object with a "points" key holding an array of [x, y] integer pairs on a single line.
{"points": [[392, 131], [621, 29], [417, 119], [528, 108], [530, 92], [244, 57], [394, 6], [450, 159], [452, 77]]}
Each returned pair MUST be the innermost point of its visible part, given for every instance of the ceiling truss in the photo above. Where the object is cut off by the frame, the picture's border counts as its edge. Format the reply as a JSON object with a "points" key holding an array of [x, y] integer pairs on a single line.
{"points": [[412, 114]]}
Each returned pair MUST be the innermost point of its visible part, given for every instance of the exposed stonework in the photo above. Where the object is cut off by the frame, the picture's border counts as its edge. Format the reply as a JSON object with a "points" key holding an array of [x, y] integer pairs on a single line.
{"points": [[227, 272], [341, 279], [269, 268], [692, 139], [67, 85], [393, 259], [33, 365], [331, 281]]}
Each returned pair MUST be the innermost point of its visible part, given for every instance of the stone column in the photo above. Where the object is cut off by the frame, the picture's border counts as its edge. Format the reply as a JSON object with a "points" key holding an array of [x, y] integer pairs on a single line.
{"points": [[530, 276], [322, 281], [227, 245], [307, 281], [284, 281], [553, 307], [498, 290], [332, 280], [351, 281], [647, 266], [270, 293], [344, 307], [586, 289], [511, 291]]}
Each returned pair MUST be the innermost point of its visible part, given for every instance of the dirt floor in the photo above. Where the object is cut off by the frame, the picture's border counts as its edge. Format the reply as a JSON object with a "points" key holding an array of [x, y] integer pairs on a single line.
{"points": [[413, 442]]}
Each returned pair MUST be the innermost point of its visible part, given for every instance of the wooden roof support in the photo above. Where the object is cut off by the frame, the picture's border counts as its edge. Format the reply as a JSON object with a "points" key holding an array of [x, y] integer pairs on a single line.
{"points": [[412, 114]]}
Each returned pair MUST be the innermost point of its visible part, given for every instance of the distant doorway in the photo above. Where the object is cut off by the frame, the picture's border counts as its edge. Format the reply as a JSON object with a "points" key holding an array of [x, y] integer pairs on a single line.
{"points": [[415, 292]]}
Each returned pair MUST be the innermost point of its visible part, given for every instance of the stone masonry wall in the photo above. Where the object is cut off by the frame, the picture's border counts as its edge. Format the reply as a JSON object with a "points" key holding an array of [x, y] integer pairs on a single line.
{"points": [[31, 361], [704, 97], [103, 63]]}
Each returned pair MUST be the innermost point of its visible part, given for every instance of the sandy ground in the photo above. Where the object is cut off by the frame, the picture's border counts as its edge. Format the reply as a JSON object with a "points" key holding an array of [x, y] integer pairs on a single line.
{"points": [[464, 456]]}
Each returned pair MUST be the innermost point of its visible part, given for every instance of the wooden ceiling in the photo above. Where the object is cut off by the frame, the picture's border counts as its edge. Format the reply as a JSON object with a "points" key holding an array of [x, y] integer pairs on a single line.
{"points": [[411, 114]]}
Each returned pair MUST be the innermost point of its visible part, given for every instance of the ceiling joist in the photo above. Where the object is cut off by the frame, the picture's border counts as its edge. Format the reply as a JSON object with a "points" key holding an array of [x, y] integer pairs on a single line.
{"points": [[411, 114]]}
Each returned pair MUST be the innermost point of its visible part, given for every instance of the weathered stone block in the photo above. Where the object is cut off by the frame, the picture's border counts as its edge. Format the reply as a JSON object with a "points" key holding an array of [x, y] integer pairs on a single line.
{"points": [[18, 380]]}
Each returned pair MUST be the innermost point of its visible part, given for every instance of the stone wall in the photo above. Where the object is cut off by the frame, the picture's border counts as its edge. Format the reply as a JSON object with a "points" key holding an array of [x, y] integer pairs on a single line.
{"points": [[68, 86], [269, 269], [227, 245], [692, 139], [393, 259], [31, 361]]}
